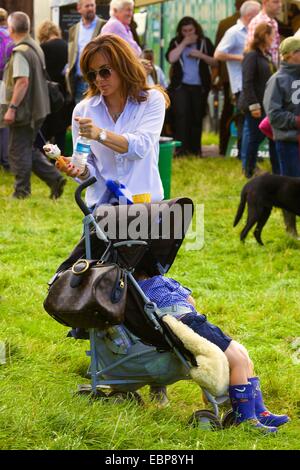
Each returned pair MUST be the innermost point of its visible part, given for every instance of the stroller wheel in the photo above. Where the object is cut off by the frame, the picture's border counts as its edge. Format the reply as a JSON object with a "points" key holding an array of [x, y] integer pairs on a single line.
{"points": [[228, 419], [206, 420], [86, 389], [120, 397]]}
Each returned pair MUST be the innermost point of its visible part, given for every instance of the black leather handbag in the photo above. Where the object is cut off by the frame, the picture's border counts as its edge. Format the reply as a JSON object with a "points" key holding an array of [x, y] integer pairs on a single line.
{"points": [[91, 294]]}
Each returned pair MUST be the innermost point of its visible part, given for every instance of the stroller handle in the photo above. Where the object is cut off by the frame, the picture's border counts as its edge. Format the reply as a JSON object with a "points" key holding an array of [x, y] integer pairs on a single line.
{"points": [[79, 191]]}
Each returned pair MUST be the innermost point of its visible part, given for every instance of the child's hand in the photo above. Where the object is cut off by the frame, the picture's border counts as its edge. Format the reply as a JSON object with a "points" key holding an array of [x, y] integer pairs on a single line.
{"points": [[191, 300]]}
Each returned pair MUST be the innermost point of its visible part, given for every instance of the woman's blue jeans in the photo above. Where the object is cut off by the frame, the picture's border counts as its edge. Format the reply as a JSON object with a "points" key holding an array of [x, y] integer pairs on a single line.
{"points": [[255, 138], [289, 158]]}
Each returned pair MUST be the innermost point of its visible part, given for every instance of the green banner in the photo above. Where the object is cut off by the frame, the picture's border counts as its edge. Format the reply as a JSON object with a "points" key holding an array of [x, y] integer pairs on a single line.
{"points": [[232, 150]]}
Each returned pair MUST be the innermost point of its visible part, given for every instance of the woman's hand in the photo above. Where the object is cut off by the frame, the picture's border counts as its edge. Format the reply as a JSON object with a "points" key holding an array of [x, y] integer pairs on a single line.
{"points": [[87, 128], [147, 66], [200, 55], [196, 54], [65, 165], [190, 39]]}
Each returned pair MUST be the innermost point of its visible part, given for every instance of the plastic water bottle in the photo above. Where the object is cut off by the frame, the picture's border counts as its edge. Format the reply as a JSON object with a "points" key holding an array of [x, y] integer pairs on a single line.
{"points": [[81, 151]]}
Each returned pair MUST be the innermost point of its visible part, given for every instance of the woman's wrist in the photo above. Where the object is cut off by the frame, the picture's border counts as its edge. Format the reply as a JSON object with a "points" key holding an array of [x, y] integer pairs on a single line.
{"points": [[85, 174]]}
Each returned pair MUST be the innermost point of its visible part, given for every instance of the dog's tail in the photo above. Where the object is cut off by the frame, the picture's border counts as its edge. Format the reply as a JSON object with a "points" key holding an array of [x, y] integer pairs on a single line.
{"points": [[241, 208]]}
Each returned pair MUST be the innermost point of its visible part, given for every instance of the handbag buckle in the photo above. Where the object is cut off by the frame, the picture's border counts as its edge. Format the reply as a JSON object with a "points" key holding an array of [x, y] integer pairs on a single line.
{"points": [[80, 267], [101, 262]]}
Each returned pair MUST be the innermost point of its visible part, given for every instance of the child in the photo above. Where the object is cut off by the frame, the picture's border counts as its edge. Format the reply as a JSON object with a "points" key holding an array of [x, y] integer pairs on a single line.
{"points": [[244, 391]]}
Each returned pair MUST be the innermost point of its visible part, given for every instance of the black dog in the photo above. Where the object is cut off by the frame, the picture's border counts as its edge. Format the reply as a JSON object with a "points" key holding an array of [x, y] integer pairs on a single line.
{"points": [[261, 194]]}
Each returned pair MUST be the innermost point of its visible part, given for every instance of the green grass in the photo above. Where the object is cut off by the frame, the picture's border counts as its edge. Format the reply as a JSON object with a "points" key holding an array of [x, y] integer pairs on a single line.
{"points": [[210, 138], [252, 292]]}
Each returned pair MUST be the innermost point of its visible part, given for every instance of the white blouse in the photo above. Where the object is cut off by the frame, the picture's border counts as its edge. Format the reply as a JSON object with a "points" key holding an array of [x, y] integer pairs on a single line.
{"points": [[141, 125]]}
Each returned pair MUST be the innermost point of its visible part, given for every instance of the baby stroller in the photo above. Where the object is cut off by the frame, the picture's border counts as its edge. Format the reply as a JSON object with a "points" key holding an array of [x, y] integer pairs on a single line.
{"points": [[143, 350]]}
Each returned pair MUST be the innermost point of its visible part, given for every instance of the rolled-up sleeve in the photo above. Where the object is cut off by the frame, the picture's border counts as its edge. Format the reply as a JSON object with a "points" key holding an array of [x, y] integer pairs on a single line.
{"points": [[227, 43], [148, 130]]}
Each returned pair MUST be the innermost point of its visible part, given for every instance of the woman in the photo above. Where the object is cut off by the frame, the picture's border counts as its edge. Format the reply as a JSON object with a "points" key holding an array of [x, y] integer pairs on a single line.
{"points": [[257, 68], [190, 54], [123, 117], [56, 57], [282, 105], [121, 15]]}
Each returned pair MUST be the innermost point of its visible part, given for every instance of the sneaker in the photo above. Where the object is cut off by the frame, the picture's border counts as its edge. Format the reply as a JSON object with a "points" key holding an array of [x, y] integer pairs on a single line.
{"points": [[159, 395], [58, 188]]}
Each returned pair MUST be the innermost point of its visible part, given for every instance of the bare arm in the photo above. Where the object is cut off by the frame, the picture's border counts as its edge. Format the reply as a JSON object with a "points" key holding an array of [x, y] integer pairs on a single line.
{"points": [[20, 90], [223, 56], [174, 54], [212, 61], [114, 141]]}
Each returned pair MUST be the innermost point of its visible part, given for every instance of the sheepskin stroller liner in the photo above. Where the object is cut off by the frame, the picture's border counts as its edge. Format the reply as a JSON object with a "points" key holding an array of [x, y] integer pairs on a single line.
{"points": [[150, 354]]}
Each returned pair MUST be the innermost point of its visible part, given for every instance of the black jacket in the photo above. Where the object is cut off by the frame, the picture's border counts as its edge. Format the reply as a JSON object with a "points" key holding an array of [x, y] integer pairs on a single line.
{"points": [[176, 72], [256, 70]]}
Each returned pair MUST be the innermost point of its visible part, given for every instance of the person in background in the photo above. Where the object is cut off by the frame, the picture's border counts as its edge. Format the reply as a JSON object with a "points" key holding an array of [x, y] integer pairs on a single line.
{"points": [[294, 16], [56, 57], [230, 50], [79, 35], [190, 54], [155, 75], [257, 67], [6, 47], [221, 80], [121, 15], [271, 9], [282, 106], [25, 107]]}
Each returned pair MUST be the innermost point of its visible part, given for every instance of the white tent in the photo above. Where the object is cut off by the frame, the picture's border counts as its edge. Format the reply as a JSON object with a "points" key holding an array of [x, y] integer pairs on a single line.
{"points": [[61, 3]]}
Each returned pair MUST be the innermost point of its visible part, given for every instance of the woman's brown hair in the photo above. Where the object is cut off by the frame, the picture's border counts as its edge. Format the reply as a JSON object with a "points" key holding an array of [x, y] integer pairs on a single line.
{"points": [[46, 30], [259, 39], [124, 62], [187, 21]]}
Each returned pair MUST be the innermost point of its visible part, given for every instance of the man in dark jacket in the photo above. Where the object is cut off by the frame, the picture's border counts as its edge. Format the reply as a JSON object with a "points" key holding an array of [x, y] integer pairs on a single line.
{"points": [[25, 104], [282, 106]]}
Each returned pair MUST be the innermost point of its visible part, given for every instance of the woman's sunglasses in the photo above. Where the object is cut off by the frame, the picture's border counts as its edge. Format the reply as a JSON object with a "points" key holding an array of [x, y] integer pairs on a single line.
{"points": [[103, 72]]}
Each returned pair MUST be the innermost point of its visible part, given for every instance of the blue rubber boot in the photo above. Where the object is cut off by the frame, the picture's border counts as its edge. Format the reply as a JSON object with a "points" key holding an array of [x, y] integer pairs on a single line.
{"points": [[262, 413], [243, 405]]}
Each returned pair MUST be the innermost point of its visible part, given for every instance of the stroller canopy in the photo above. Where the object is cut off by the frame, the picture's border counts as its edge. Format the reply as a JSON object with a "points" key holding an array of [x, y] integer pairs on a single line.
{"points": [[161, 226]]}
